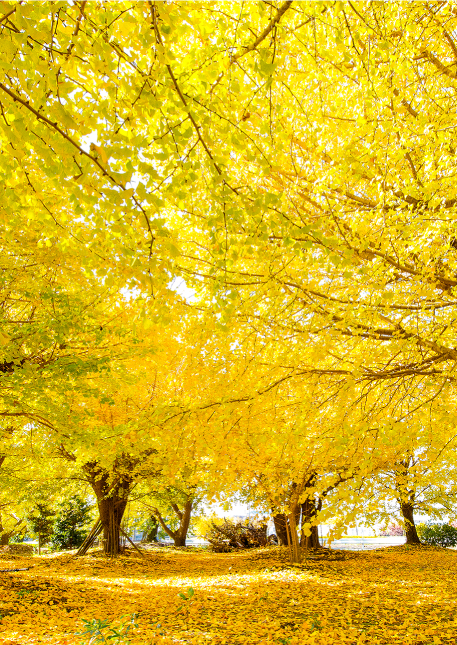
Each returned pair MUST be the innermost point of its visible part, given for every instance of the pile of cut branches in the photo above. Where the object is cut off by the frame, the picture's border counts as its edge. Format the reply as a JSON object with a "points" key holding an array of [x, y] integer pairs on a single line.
{"points": [[229, 536]]}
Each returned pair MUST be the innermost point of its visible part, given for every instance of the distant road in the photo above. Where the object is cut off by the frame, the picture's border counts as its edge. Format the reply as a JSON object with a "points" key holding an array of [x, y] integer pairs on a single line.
{"points": [[364, 543], [345, 543]]}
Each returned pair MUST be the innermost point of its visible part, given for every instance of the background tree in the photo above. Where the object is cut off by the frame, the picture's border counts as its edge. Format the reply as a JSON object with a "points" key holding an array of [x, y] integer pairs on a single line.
{"points": [[181, 506], [41, 523], [422, 483], [150, 528], [71, 523], [172, 504]]}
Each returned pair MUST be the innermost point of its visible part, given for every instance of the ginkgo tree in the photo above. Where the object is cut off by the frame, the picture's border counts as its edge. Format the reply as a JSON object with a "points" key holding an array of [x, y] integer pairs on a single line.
{"points": [[117, 435], [419, 480], [294, 163], [285, 193], [357, 256]]}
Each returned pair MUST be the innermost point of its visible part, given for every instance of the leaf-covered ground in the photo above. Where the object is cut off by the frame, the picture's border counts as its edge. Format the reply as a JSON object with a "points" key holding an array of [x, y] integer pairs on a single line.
{"points": [[395, 595]]}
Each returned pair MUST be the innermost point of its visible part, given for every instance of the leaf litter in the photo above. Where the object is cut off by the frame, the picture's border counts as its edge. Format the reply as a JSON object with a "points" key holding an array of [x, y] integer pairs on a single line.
{"points": [[395, 595]]}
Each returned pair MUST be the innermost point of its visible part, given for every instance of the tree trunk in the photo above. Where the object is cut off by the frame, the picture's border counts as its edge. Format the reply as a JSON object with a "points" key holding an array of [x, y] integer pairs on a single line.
{"points": [[407, 511], [280, 522], [308, 515], [111, 510], [178, 536], [111, 501], [294, 546], [315, 543], [180, 539], [311, 541], [4, 535]]}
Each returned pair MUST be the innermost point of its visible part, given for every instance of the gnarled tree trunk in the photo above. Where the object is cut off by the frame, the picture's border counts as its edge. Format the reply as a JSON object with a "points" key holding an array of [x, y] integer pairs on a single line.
{"points": [[111, 510], [407, 510], [112, 496]]}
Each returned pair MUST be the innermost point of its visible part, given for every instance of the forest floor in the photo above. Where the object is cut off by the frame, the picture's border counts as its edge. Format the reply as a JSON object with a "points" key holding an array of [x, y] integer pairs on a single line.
{"points": [[394, 595]]}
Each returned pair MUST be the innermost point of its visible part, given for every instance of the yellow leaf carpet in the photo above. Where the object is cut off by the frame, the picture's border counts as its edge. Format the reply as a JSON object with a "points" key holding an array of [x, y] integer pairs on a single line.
{"points": [[395, 595]]}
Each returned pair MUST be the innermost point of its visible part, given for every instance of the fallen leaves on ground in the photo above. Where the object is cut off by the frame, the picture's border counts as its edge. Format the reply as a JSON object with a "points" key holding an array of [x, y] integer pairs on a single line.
{"points": [[395, 595]]}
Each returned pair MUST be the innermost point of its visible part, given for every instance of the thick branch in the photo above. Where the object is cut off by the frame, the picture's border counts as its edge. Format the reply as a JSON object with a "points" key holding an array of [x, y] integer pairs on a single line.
{"points": [[281, 11], [166, 528], [435, 61], [177, 511]]}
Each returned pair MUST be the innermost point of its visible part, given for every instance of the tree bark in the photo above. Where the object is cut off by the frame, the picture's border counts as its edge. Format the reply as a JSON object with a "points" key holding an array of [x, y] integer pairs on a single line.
{"points": [[280, 522], [111, 510], [315, 543], [294, 546], [112, 497], [407, 510], [185, 521], [282, 526], [308, 515], [6, 535], [311, 541]]}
